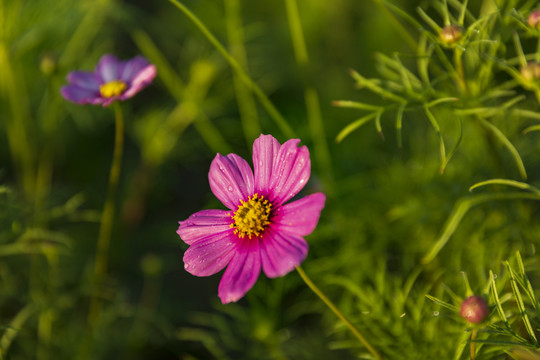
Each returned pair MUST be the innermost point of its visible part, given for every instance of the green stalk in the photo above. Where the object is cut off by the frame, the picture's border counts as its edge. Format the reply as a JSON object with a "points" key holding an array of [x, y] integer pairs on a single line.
{"points": [[338, 313], [14, 327], [17, 122], [264, 100], [297, 35], [107, 217], [311, 96], [460, 71], [246, 103], [473, 343]]}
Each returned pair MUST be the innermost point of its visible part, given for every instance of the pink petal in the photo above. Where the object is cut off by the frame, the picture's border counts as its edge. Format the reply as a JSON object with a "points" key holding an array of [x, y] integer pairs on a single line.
{"points": [[281, 252], [299, 217], [231, 179], [242, 272], [290, 172], [265, 149], [107, 68], [209, 255], [140, 81], [130, 68], [203, 224]]}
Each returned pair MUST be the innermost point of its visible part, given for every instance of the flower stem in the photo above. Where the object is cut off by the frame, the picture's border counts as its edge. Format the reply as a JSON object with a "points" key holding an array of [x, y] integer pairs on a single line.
{"points": [[473, 343], [311, 97], [264, 100], [107, 217], [338, 313], [246, 102]]}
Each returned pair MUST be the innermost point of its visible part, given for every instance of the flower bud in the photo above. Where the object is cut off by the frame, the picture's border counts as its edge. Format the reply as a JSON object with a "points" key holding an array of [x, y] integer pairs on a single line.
{"points": [[451, 34], [47, 64], [534, 19], [531, 71], [474, 309]]}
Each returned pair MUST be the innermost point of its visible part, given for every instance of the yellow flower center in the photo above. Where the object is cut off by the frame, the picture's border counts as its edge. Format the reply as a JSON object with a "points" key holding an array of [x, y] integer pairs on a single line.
{"points": [[251, 217], [112, 88]]}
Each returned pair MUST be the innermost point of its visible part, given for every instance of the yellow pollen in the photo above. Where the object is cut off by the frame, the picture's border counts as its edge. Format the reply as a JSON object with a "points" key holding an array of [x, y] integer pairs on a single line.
{"points": [[252, 216], [112, 88]]}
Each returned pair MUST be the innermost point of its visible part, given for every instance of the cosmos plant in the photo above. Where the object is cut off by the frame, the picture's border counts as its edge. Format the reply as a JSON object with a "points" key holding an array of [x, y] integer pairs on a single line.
{"points": [[259, 230], [111, 80]]}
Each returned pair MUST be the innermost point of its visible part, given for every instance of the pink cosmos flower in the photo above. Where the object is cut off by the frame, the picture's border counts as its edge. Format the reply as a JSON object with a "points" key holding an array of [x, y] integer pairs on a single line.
{"points": [[258, 230], [111, 80]]}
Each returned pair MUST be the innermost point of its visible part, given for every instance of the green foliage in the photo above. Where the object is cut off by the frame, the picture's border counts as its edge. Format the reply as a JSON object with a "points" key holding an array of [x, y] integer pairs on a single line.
{"points": [[405, 236]]}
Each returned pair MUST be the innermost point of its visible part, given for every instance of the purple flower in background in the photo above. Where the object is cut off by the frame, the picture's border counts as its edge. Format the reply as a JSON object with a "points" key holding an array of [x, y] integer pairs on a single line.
{"points": [[111, 80], [259, 230]]}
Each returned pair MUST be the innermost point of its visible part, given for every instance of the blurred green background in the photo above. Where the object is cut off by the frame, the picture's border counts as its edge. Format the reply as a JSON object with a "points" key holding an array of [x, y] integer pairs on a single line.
{"points": [[385, 210]]}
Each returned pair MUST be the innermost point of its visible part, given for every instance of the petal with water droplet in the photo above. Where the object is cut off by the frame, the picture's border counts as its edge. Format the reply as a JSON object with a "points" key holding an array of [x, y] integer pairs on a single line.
{"points": [[231, 179]]}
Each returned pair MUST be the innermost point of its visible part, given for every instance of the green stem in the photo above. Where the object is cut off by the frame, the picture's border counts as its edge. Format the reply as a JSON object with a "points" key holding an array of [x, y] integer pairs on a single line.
{"points": [[338, 313], [107, 217], [402, 31], [14, 327], [473, 343], [311, 96], [460, 76], [297, 35], [264, 100], [18, 121], [246, 103]]}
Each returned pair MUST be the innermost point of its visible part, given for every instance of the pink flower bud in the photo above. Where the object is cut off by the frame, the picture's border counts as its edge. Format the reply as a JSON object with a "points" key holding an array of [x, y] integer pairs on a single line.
{"points": [[534, 19], [450, 34], [474, 309], [531, 71]]}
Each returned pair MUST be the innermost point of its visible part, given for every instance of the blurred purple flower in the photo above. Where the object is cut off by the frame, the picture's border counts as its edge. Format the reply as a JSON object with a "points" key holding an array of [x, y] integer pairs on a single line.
{"points": [[259, 230], [111, 80]]}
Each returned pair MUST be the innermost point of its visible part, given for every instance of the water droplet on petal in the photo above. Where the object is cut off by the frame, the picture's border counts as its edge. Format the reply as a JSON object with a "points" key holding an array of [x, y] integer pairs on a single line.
{"points": [[230, 188], [186, 266]]}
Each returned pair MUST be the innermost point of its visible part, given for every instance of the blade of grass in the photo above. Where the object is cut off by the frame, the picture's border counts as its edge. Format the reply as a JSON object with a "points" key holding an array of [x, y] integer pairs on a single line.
{"points": [[531, 129], [246, 103], [435, 124], [461, 16], [311, 97], [356, 105], [355, 125], [520, 303], [14, 327], [504, 140], [527, 286], [402, 31], [513, 183], [455, 147], [371, 85], [166, 73], [442, 303], [436, 28], [496, 299], [399, 121], [264, 100], [460, 209]]}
